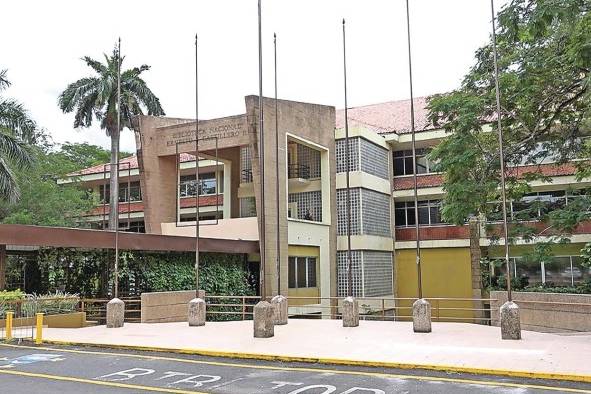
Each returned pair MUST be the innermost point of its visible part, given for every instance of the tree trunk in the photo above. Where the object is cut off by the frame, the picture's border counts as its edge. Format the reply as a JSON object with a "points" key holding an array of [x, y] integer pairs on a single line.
{"points": [[475, 256], [114, 182]]}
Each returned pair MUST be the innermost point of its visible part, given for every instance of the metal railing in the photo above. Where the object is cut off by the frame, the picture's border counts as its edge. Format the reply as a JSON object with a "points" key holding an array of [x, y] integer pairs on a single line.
{"points": [[22, 314], [475, 310], [301, 171], [96, 309], [228, 307], [246, 175]]}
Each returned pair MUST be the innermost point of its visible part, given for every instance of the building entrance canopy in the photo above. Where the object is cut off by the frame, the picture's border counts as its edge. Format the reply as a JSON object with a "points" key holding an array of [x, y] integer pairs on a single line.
{"points": [[25, 235]]}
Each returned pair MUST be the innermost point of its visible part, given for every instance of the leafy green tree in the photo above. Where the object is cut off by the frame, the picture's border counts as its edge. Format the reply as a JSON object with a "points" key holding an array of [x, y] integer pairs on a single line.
{"points": [[61, 205], [95, 97], [544, 49], [16, 129], [84, 155]]}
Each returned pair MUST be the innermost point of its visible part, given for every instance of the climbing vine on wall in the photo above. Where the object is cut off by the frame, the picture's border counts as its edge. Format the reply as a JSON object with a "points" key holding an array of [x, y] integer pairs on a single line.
{"points": [[90, 273]]}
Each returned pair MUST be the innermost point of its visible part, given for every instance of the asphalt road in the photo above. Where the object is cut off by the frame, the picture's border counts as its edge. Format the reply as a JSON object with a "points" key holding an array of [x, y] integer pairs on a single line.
{"points": [[64, 370]]}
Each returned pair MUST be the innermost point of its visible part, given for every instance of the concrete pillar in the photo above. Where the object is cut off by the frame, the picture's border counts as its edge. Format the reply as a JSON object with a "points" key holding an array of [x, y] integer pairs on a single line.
{"points": [[279, 303], [350, 312], [196, 314], [115, 313], [510, 323], [263, 320], [421, 316]]}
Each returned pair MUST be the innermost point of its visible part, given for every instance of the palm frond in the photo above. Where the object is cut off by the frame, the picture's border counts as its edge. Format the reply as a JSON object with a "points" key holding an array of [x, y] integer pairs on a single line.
{"points": [[14, 117], [14, 151], [144, 95], [96, 65], [75, 92], [4, 82], [9, 189]]}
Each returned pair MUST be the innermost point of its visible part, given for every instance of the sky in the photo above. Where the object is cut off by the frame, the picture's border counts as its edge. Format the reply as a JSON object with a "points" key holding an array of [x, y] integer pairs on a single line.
{"points": [[43, 42]]}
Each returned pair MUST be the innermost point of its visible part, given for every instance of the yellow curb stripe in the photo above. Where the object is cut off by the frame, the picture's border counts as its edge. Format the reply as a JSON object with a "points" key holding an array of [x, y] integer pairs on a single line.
{"points": [[337, 361], [98, 382], [298, 369]]}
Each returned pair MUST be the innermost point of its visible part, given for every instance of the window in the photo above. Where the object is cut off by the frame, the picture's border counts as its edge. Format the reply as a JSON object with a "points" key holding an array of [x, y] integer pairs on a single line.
{"points": [[559, 271], [128, 192], [207, 184], [429, 213], [403, 162], [247, 207], [534, 205], [133, 227], [301, 272]]}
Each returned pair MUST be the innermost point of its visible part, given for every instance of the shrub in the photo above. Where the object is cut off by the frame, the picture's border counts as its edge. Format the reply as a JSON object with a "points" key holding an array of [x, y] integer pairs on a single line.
{"points": [[7, 299], [51, 304]]}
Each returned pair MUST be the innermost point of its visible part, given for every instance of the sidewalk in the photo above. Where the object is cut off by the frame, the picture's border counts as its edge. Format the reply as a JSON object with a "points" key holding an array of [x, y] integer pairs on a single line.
{"points": [[451, 346]]}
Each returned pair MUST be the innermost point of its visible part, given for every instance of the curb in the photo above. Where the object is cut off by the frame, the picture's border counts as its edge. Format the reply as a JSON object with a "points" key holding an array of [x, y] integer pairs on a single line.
{"points": [[337, 361]]}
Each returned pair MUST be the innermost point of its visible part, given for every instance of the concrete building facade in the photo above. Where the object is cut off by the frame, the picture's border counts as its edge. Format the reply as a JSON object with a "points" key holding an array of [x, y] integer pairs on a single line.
{"points": [[158, 196]]}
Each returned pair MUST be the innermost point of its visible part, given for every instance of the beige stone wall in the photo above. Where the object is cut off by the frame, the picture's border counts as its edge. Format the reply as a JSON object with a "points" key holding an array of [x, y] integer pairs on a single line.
{"points": [[547, 312], [157, 140], [167, 306], [312, 123]]}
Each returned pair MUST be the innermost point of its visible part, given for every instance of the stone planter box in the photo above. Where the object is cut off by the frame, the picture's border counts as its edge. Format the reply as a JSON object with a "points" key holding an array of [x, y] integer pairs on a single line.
{"points": [[65, 320], [547, 312]]}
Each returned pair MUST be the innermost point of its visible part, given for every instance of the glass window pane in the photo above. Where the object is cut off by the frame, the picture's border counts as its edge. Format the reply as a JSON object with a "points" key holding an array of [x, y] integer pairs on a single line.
{"points": [[423, 213], [398, 166], [527, 271], [410, 215], [301, 272], [558, 271], [435, 214], [311, 271], [208, 186], [421, 165], [408, 166], [291, 273], [580, 273], [400, 217]]}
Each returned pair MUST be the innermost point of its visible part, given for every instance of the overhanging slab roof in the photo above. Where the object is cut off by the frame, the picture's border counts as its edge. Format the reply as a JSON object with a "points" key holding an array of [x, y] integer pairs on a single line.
{"points": [[27, 235]]}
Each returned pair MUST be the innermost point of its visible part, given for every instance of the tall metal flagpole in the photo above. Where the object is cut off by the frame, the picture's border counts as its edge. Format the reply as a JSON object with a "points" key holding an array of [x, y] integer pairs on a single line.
{"points": [[261, 162], [414, 160], [501, 155], [196, 171], [277, 169], [347, 161], [116, 207]]}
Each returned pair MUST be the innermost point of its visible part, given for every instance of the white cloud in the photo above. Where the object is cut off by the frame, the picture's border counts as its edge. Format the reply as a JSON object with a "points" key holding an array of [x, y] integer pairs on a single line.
{"points": [[43, 42]]}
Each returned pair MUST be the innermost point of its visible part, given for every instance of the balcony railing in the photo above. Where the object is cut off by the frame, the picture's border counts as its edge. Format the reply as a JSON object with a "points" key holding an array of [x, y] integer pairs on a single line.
{"points": [[246, 175], [300, 171]]}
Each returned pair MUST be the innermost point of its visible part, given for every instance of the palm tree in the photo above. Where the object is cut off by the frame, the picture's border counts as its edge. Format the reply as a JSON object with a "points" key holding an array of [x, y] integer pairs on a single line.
{"points": [[16, 129], [95, 97]]}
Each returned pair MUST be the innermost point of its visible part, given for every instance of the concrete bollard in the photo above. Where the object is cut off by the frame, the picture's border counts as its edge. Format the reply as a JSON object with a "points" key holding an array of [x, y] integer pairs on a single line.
{"points": [[279, 303], [421, 316], [196, 314], [263, 317], [510, 323], [115, 313], [350, 312]]}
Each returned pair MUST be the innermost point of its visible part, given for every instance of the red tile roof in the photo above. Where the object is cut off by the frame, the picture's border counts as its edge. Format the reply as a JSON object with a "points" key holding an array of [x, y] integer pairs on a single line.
{"points": [[389, 117], [383, 118], [132, 160]]}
